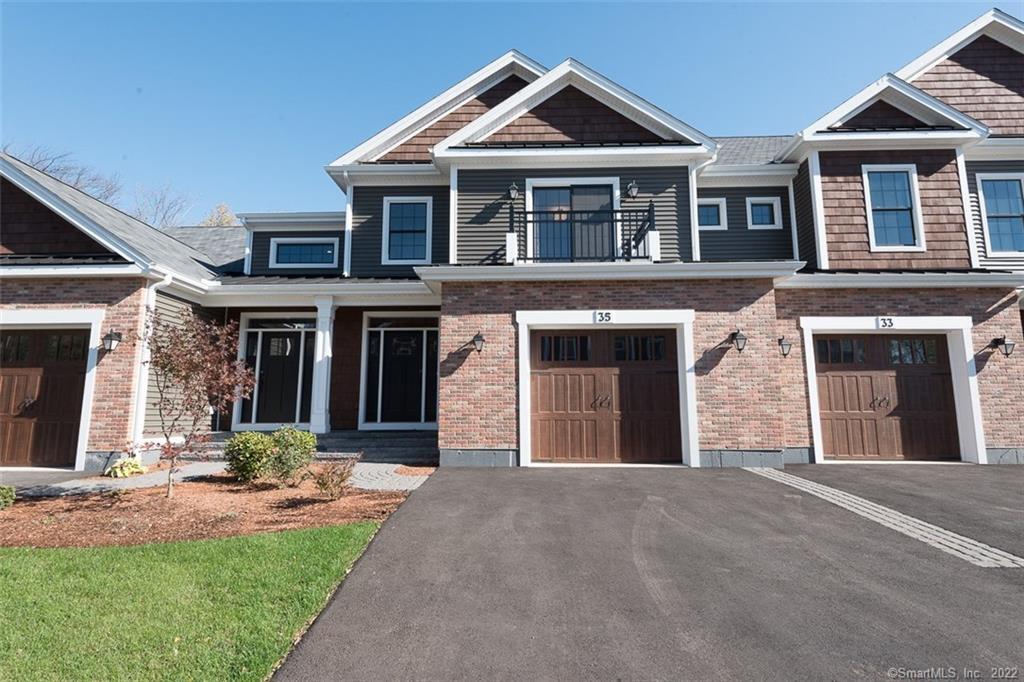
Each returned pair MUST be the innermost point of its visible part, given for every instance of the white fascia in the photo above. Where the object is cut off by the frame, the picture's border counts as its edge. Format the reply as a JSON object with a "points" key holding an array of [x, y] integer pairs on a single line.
{"points": [[996, 149], [293, 220], [562, 272], [994, 23], [749, 175], [903, 280], [592, 157], [385, 174], [469, 87], [116, 270], [571, 72]]}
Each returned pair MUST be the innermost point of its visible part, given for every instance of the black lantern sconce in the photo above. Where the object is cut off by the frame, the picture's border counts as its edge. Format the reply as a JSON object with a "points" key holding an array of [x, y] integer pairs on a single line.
{"points": [[738, 339], [111, 339], [513, 191], [785, 347], [632, 190], [1003, 345], [478, 342]]}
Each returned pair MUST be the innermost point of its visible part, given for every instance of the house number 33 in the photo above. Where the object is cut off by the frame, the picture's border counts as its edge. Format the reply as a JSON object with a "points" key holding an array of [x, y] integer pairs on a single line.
{"points": [[885, 323], [602, 316]]}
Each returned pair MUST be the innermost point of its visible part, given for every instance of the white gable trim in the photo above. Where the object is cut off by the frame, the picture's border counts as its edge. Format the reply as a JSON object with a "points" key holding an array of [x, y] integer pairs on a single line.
{"points": [[571, 72], [994, 23], [511, 62]]}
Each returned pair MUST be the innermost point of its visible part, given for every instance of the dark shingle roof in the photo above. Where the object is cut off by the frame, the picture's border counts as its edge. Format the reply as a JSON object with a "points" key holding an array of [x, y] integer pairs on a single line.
{"points": [[15, 259], [146, 241], [224, 247], [749, 150]]}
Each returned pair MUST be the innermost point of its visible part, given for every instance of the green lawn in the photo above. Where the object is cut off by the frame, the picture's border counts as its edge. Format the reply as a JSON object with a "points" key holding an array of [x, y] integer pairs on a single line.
{"points": [[212, 609]]}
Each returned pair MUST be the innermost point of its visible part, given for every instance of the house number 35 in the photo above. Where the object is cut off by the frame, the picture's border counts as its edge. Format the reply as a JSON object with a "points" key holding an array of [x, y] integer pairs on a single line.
{"points": [[602, 316]]}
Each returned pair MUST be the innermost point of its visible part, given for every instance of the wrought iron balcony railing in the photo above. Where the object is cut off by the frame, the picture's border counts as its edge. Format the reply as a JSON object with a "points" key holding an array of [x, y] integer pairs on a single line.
{"points": [[581, 236]]}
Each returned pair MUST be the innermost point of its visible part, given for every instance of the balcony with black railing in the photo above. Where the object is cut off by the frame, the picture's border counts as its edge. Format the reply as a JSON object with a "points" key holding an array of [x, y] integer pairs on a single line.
{"points": [[600, 236]]}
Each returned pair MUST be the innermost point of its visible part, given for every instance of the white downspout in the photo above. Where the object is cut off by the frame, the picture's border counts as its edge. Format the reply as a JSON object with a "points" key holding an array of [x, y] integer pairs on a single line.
{"points": [[142, 370], [694, 227]]}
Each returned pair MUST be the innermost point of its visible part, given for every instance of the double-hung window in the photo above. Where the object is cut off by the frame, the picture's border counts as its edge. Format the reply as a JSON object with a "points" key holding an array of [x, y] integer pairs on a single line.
{"points": [[711, 214], [893, 208], [407, 227], [1002, 211], [304, 252]]}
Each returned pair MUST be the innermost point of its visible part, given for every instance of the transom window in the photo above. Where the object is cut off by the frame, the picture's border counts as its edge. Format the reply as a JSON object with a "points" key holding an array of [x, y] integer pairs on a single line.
{"points": [[894, 220], [711, 214], [764, 213], [565, 348], [304, 252], [1002, 198], [407, 227]]}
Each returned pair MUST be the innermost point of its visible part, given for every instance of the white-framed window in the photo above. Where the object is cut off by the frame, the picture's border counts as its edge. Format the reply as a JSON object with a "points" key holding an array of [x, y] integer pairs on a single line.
{"points": [[1001, 197], [407, 229], [711, 214], [893, 205], [303, 252], [764, 213]]}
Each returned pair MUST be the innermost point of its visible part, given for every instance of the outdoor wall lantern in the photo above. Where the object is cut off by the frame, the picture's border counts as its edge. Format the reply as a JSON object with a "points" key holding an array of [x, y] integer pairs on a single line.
{"points": [[478, 342], [785, 347], [111, 339], [632, 189], [1003, 345], [513, 192], [738, 339]]}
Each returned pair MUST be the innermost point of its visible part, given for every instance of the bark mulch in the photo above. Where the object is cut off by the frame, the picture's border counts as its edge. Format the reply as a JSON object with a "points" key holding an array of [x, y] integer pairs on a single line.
{"points": [[213, 507]]}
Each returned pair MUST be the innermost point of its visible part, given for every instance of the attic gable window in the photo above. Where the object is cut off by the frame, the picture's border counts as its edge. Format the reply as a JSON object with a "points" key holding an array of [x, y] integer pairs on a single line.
{"points": [[304, 252], [1002, 200], [407, 228], [893, 208]]}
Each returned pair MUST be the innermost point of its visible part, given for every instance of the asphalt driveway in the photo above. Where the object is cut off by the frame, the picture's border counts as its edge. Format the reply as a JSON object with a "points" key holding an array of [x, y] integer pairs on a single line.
{"points": [[664, 574]]}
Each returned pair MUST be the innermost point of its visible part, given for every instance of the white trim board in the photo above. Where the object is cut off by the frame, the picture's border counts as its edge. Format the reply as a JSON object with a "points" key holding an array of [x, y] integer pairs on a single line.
{"points": [[961, 357], [69, 318], [680, 320], [994, 23]]}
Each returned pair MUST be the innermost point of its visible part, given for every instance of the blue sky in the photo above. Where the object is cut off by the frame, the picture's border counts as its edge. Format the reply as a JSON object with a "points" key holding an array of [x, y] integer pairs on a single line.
{"points": [[245, 103]]}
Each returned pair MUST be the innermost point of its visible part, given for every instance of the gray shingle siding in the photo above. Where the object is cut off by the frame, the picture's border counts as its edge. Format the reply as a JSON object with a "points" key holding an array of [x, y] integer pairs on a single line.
{"points": [[805, 217], [973, 168], [739, 242], [367, 206], [483, 206], [260, 257]]}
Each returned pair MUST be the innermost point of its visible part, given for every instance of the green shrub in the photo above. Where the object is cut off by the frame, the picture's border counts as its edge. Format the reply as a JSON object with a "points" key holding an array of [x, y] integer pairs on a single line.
{"points": [[249, 455], [6, 496], [125, 467], [332, 479], [294, 451]]}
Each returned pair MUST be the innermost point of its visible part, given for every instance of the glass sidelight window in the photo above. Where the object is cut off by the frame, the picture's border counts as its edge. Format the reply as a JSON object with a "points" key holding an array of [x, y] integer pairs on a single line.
{"points": [[400, 376]]}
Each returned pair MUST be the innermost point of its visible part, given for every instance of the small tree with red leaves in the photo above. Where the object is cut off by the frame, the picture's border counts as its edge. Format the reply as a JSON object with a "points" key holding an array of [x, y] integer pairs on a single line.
{"points": [[194, 370]]}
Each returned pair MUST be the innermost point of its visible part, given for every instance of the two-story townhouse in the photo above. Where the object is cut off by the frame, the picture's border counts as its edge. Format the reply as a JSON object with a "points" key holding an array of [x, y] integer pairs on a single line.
{"points": [[541, 267]]}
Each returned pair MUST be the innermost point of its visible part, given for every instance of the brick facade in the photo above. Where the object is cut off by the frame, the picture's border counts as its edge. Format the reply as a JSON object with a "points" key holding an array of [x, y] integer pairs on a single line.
{"points": [[995, 313], [755, 400], [737, 393], [113, 407]]}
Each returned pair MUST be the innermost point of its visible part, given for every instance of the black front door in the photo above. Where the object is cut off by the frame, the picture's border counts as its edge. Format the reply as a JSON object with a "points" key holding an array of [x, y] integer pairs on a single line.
{"points": [[279, 369], [401, 372]]}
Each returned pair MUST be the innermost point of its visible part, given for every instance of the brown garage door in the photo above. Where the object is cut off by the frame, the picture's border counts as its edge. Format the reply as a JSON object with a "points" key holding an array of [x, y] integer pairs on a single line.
{"points": [[42, 376], [886, 397], [605, 396]]}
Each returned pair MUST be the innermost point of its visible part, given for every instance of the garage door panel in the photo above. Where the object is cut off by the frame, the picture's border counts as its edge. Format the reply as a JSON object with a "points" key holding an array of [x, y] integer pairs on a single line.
{"points": [[613, 397], [886, 397]]}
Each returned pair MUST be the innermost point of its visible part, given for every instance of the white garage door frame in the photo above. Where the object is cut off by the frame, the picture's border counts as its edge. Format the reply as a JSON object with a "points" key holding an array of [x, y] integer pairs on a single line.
{"points": [[963, 370], [680, 320], [65, 318]]}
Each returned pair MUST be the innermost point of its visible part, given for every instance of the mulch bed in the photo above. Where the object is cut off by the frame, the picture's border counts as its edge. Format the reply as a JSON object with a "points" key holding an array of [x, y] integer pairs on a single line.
{"points": [[213, 507]]}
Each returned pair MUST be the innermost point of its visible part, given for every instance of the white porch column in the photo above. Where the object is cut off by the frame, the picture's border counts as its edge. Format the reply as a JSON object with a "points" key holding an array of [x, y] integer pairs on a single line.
{"points": [[320, 413]]}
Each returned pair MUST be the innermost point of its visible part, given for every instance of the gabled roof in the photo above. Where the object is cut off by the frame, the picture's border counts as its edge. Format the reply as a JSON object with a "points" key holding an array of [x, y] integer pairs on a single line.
{"points": [[573, 73], [126, 236], [995, 23], [512, 62]]}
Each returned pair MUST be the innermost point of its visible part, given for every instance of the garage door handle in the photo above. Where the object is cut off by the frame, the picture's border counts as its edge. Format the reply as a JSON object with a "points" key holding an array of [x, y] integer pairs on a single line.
{"points": [[26, 403]]}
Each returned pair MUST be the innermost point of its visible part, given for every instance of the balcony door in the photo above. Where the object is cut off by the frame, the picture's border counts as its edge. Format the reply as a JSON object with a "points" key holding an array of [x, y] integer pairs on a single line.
{"points": [[574, 223]]}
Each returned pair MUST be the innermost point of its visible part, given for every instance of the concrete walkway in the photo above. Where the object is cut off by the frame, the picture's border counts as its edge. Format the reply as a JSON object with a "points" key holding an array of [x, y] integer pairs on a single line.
{"points": [[366, 476]]}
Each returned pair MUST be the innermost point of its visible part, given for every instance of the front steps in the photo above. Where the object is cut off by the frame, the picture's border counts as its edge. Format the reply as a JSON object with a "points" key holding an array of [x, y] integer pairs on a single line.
{"points": [[389, 447]]}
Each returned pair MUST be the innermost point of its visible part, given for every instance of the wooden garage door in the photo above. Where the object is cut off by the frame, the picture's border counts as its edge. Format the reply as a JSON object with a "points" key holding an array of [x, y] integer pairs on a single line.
{"points": [[886, 397], [42, 377], [605, 396]]}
